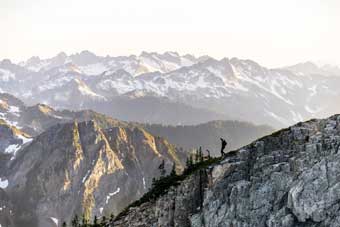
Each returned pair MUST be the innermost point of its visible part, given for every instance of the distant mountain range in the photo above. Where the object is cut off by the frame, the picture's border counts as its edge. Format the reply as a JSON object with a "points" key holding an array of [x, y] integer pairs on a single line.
{"points": [[175, 89]]}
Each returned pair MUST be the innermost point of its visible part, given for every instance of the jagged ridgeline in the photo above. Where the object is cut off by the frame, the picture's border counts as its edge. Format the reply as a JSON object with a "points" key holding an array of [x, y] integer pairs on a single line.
{"points": [[287, 179], [58, 163], [82, 168], [169, 88], [35, 119]]}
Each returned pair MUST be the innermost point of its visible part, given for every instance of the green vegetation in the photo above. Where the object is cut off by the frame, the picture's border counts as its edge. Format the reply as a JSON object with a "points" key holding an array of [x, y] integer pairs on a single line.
{"points": [[85, 222], [163, 184], [159, 187]]}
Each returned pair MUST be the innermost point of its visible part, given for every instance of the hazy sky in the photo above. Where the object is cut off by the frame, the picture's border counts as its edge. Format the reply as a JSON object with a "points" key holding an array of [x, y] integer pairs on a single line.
{"points": [[272, 32]]}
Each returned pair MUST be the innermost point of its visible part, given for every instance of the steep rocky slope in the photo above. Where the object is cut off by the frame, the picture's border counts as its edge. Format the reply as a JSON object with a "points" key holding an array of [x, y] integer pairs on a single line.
{"points": [[290, 178], [11, 140], [208, 134], [76, 168], [6, 210]]}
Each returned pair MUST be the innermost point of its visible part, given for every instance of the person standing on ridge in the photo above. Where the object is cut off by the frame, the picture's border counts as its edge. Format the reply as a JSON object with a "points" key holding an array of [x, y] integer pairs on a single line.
{"points": [[224, 144], [208, 151]]}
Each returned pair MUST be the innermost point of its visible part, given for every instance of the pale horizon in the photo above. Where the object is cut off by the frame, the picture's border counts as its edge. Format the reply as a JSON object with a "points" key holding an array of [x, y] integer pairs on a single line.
{"points": [[274, 34], [317, 63]]}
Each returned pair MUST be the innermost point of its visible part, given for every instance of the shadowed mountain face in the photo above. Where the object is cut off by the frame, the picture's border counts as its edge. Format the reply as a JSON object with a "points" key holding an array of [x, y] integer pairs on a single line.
{"points": [[6, 210], [76, 168], [11, 140], [35, 119], [66, 167], [287, 179], [208, 135], [155, 110], [176, 89]]}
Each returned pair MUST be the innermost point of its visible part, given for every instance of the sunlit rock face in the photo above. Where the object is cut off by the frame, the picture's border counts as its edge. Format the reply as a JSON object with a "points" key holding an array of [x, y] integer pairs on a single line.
{"points": [[287, 179], [82, 168]]}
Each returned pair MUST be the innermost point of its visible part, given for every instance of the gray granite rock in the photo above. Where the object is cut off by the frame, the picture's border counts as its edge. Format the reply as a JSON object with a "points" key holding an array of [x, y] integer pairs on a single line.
{"points": [[290, 178]]}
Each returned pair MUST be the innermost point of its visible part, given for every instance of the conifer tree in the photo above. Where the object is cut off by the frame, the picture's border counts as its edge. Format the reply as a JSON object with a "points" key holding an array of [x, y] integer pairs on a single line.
{"points": [[191, 161], [162, 169], [103, 222], [75, 221], [173, 170], [208, 151], [200, 155], [154, 182], [84, 221], [95, 222], [112, 218], [187, 163], [197, 156]]}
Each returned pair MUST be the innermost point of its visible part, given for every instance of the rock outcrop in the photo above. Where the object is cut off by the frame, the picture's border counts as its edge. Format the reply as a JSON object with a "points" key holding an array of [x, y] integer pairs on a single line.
{"points": [[290, 178], [81, 168], [6, 210], [11, 140]]}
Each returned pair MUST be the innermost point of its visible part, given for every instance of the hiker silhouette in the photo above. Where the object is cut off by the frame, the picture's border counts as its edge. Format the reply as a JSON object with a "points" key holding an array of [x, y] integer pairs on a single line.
{"points": [[161, 168], [208, 153], [224, 144]]}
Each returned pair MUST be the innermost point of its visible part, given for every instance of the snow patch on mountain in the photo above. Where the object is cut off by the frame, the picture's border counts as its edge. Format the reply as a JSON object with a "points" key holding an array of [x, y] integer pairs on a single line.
{"points": [[94, 69], [3, 183], [14, 110], [144, 184], [86, 176], [111, 194], [9, 122], [24, 139], [85, 90], [14, 148], [222, 86], [6, 75], [55, 221]]}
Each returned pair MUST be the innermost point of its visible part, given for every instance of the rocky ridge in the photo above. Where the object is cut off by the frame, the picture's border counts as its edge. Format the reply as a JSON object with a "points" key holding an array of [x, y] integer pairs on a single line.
{"points": [[34, 120], [290, 178], [12, 140], [74, 168]]}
